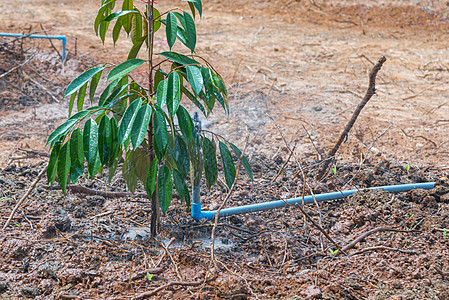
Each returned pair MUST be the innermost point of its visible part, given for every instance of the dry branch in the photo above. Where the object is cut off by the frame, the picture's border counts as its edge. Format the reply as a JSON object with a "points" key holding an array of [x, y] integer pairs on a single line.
{"points": [[387, 249], [344, 135], [172, 283], [368, 233], [75, 188], [30, 189]]}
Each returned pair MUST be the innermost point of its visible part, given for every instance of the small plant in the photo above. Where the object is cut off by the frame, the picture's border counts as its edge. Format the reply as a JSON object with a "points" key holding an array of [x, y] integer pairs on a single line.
{"points": [[146, 125], [445, 233], [333, 252], [334, 170], [407, 167], [149, 276]]}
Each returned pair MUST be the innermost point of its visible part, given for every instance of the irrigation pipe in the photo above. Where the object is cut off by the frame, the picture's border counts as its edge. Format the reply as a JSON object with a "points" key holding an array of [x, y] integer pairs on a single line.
{"points": [[41, 36], [197, 214]]}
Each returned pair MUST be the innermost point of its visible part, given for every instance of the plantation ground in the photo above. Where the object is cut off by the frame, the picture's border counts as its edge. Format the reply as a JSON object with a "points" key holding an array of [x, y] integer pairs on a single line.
{"points": [[302, 63]]}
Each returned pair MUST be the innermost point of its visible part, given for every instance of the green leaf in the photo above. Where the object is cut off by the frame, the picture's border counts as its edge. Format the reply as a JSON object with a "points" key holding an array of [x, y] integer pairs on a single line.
{"points": [[94, 85], [160, 134], [140, 126], [193, 99], [141, 164], [157, 19], [181, 187], [171, 29], [90, 141], [159, 76], [76, 155], [81, 80], [116, 15], [107, 91], [195, 78], [181, 156], [192, 9], [127, 121], [105, 140], [136, 28], [136, 48], [101, 13], [190, 30], [53, 163], [179, 58], [81, 95], [228, 164], [124, 68], [104, 27], [197, 4], [64, 166], [210, 162], [245, 162], [129, 172], [119, 90], [185, 123], [116, 31], [150, 184], [196, 163], [71, 103], [161, 95], [164, 188], [126, 19], [173, 93], [61, 130]]}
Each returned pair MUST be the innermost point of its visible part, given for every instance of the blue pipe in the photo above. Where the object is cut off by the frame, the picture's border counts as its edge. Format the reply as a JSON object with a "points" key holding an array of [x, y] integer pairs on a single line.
{"points": [[197, 214], [40, 36]]}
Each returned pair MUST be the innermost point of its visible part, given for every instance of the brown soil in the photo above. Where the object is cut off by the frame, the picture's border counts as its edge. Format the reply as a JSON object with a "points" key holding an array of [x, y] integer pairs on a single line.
{"points": [[303, 63]]}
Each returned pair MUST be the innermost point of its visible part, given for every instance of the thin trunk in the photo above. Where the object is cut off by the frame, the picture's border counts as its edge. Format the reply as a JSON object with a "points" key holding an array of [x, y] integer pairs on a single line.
{"points": [[155, 210]]}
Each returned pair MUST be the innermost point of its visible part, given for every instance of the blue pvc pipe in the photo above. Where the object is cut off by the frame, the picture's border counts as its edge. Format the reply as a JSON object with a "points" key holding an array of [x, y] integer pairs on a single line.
{"points": [[40, 36], [197, 214]]}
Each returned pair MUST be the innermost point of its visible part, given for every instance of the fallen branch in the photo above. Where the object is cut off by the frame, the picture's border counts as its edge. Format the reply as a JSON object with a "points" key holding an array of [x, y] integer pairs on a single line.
{"points": [[320, 229], [75, 188], [172, 283], [387, 249], [439, 271], [18, 66], [368, 233], [31, 188], [344, 135]]}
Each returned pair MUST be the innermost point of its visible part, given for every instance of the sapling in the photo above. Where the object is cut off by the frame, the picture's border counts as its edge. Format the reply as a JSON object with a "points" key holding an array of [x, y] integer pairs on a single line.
{"points": [[147, 125]]}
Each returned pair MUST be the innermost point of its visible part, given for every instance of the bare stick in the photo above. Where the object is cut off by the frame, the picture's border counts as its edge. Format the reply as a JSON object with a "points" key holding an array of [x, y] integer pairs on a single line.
{"points": [[368, 233], [320, 229], [31, 188], [53, 46], [172, 283], [84, 190], [310, 138], [283, 166], [18, 66], [387, 249], [344, 135], [169, 254]]}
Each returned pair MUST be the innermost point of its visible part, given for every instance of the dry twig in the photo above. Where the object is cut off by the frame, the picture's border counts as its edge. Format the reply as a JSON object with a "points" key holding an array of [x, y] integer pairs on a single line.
{"points": [[344, 135], [387, 249], [368, 233], [173, 283], [30, 189], [321, 229]]}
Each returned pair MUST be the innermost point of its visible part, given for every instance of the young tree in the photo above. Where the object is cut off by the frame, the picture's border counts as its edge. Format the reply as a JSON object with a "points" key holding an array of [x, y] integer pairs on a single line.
{"points": [[146, 125]]}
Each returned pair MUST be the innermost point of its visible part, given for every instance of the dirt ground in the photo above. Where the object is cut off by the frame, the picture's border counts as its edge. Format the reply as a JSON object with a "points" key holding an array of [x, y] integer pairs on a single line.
{"points": [[303, 64]]}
